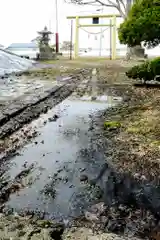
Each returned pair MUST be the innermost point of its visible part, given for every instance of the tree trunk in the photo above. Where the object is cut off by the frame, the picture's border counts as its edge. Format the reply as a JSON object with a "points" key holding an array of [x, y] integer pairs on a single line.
{"points": [[137, 51], [128, 6]]}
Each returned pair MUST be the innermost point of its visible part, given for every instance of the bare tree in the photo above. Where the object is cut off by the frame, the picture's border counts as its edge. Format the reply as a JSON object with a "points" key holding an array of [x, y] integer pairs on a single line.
{"points": [[123, 6], [66, 45]]}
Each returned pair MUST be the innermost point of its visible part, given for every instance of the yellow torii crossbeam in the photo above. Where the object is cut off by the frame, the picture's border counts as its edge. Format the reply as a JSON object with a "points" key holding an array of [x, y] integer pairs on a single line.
{"points": [[113, 17]]}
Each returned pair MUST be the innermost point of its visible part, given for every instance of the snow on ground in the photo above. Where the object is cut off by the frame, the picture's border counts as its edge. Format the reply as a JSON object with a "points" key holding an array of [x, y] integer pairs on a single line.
{"points": [[12, 63]]}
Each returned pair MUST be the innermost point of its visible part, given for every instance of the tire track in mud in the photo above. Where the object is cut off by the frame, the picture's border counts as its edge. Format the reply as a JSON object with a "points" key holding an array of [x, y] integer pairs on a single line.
{"points": [[15, 116]]}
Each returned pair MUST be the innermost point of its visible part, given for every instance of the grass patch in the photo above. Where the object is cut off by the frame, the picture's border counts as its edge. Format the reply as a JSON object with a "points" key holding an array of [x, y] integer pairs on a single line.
{"points": [[53, 61], [50, 73], [147, 123], [64, 67], [144, 123], [135, 148], [111, 125], [93, 59], [41, 72], [141, 126], [155, 143]]}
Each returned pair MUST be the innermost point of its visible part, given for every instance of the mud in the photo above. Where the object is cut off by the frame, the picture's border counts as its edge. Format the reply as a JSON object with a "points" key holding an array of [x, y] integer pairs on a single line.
{"points": [[59, 178], [19, 112], [17, 227], [53, 179], [56, 174]]}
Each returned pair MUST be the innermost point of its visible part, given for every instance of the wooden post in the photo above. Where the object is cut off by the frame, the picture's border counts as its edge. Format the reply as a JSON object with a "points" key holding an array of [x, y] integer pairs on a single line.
{"points": [[114, 38], [76, 44], [110, 37]]}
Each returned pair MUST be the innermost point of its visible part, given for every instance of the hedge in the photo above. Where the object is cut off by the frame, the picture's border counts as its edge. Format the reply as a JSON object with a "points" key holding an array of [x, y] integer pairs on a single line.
{"points": [[146, 71]]}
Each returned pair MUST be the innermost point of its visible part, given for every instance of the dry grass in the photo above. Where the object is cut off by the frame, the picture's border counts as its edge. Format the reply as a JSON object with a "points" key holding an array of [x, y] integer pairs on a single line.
{"points": [[50, 73], [82, 61], [145, 122], [137, 145], [63, 67], [108, 69]]}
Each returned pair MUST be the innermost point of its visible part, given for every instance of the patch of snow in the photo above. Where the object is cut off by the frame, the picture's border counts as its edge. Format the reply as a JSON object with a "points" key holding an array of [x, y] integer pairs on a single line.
{"points": [[11, 63]]}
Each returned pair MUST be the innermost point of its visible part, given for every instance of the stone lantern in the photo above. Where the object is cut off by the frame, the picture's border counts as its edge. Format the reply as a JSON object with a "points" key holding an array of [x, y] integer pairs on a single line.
{"points": [[46, 52]]}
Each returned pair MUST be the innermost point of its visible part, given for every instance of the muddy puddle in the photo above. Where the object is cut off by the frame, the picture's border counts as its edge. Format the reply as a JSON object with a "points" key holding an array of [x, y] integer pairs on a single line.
{"points": [[54, 167]]}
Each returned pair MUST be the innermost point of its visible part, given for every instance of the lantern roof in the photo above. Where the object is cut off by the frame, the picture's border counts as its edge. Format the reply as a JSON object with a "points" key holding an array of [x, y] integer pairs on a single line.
{"points": [[45, 31]]}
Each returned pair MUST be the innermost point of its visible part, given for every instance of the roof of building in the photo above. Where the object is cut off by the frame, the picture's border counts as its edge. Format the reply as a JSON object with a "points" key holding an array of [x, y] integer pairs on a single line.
{"points": [[23, 45]]}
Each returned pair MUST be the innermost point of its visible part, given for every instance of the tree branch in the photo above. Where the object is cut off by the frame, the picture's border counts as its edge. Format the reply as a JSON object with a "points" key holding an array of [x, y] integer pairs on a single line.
{"points": [[110, 4], [123, 4], [81, 2], [120, 9], [118, 4]]}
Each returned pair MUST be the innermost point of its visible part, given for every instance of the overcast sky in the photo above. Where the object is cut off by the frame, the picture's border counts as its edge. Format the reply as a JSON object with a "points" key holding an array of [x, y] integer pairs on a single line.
{"points": [[21, 19]]}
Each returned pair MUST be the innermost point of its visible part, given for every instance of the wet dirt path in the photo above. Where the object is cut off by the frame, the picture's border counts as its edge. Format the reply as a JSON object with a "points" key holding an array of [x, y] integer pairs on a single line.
{"points": [[58, 160], [49, 175]]}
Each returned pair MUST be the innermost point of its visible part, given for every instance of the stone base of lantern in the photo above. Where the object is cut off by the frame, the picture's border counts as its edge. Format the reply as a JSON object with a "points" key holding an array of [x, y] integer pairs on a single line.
{"points": [[46, 53]]}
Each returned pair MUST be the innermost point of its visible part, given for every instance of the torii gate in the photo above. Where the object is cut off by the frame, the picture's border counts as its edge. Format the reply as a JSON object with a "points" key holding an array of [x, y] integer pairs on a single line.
{"points": [[113, 18]]}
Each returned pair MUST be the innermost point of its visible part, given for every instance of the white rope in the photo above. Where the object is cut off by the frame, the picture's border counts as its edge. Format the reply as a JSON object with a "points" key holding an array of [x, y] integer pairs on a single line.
{"points": [[95, 33]]}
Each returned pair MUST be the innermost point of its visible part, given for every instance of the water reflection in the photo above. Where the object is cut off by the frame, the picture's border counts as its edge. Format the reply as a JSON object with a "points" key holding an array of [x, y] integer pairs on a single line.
{"points": [[57, 162]]}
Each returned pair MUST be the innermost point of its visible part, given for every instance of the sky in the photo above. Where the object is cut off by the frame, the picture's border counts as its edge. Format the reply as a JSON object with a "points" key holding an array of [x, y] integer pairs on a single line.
{"points": [[21, 19]]}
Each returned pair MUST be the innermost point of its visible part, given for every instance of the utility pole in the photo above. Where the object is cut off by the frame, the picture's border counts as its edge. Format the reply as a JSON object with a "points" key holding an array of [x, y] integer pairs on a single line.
{"points": [[71, 40], [101, 36], [110, 36], [57, 34]]}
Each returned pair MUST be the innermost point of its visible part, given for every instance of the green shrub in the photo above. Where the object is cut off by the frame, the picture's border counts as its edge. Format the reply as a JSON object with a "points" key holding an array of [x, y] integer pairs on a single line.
{"points": [[146, 71], [133, 72], [155, 66]]}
